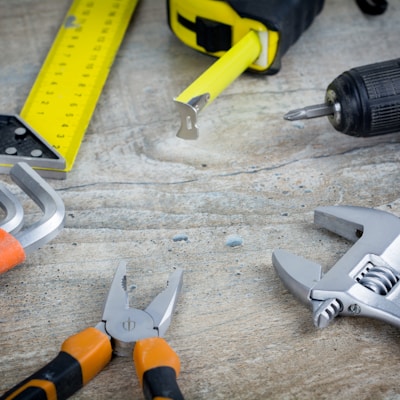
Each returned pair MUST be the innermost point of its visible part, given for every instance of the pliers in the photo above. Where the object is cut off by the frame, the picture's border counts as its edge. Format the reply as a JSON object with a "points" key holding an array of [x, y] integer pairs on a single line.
{"points": [[121, 329]]}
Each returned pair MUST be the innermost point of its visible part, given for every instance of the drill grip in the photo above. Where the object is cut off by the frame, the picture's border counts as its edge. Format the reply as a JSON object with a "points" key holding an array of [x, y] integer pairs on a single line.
{"points": [[369, 98]]}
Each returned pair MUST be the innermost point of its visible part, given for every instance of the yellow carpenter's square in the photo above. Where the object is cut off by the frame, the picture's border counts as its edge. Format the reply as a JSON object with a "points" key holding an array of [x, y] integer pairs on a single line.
{"points": [[245, 34], [49, 130]]}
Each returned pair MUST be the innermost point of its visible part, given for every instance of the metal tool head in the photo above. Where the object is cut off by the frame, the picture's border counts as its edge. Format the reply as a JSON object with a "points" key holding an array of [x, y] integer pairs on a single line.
{"points": [[52, 220], [14, 213], [364, 281], [189, 129], [315, 111], [127, 325]]}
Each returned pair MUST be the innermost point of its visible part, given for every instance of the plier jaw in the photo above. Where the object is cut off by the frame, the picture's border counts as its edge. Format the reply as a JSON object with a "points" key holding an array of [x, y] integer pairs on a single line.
{"points": [[157, 365], [126, 325], [364, 282]]}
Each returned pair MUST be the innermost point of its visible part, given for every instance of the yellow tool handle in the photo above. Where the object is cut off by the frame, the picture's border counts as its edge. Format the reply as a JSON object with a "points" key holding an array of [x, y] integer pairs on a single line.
{"points": [[213, 81], [157, 367], [82, 356], [225, 70]]}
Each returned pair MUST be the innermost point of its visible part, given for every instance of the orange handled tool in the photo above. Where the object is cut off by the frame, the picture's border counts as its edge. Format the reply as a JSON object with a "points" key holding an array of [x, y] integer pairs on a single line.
{"points": [[157, 367], [82, 356], [121, 330], [15, 244]]}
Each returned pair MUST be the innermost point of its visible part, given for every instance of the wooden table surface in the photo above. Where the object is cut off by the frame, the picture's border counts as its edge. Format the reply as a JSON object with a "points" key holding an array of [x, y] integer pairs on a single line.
{"points": [[251, 176]]}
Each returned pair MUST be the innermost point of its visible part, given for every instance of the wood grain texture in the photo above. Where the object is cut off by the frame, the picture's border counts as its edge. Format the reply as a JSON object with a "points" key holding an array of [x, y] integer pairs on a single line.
{"points": [[239, 333]]}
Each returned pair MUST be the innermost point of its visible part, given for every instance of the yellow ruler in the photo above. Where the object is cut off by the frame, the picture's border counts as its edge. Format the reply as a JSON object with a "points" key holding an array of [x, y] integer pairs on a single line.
{"points": [[48, 133]]}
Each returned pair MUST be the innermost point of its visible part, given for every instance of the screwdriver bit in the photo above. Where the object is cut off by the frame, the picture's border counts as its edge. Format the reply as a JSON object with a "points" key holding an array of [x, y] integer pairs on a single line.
{"points": [[363, 101], [318, 110]]}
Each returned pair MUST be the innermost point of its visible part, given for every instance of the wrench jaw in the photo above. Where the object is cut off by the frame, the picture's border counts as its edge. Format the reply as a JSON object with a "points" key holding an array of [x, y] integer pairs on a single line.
{"points": [[300, 275], [363, 282], [297, 274], [377, 228], [345, 221]]}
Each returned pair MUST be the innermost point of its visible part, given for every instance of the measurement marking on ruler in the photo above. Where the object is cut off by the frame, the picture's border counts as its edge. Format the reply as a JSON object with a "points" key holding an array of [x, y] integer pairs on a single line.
{"points": [[59, 107]]}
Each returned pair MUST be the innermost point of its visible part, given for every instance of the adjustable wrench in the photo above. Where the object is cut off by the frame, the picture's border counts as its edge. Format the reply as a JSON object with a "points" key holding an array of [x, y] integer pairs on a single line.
{"points": [[14, 248], [364, 282]]}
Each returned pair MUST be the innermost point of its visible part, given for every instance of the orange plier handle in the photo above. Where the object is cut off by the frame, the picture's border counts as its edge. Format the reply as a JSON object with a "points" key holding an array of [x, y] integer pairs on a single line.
{"points": [[157, 367], [82, 356], [85, 354]]}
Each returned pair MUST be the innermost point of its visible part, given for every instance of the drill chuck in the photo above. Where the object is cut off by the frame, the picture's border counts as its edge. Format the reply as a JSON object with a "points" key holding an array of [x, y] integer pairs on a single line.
{"points": [[363, 101]]}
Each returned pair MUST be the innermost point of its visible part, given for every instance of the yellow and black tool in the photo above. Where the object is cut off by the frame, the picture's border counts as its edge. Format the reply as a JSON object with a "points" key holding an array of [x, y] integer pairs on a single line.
{"points": [[244, 34], [49, 130]]}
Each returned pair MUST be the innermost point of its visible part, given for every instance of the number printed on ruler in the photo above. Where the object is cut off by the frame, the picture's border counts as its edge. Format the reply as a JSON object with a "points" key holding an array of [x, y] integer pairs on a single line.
{"points": [[64, 96]]}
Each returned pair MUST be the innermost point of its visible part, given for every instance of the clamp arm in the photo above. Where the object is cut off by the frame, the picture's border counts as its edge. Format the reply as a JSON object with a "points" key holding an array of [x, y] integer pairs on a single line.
{"points": [[13, 249], [14, 218]]}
